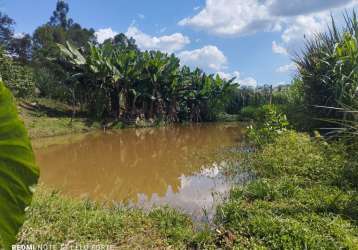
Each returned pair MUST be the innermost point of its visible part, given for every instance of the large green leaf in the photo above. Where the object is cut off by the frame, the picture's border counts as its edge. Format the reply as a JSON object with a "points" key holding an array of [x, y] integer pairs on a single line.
{"points": [[18, 172]]}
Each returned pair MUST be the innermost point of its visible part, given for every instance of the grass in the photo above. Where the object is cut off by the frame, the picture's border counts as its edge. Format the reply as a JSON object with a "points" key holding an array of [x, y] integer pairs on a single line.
{"points": [[301, 198], [48, 118], [55, 219]]}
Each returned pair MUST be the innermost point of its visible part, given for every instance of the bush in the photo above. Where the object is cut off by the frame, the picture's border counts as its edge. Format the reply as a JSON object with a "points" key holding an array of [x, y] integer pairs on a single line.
{"points": [[48, 86], [18, 78], [268, 124], [248, 112]]}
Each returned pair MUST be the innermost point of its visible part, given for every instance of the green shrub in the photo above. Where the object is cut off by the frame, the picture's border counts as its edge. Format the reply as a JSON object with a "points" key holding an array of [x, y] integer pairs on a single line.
{"points": [[269, 123], [18, 78], [248, 112]]}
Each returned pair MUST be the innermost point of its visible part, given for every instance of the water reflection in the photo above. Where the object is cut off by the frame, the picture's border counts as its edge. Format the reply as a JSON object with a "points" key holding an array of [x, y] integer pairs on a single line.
{"points": [[142, 167]]}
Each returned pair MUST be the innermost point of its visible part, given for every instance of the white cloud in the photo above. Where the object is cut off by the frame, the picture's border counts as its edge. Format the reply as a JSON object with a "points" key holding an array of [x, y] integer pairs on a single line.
{"points": [[304, 26], [247, 82], [141, 16], [288, 68], [232, 17], [169, 43], [104, 34], [208, 58], [296, 19], [278, 49]]}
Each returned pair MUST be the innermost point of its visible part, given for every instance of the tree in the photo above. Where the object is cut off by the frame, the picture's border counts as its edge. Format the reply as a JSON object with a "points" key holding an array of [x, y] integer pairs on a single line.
{"points": [[122, 42], [59, 16], [6, 29], [50, 75]]}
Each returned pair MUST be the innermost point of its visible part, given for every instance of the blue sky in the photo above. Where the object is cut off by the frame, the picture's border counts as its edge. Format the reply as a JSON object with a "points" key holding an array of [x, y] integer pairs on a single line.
{"points": [[252, 40]]}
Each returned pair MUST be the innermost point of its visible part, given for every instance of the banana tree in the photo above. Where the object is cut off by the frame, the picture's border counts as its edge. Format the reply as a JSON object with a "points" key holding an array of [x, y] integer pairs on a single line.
{"points": [[154, 63], [98, 74], [128, 73], [171, 88], [219, 95], [197, 94]]}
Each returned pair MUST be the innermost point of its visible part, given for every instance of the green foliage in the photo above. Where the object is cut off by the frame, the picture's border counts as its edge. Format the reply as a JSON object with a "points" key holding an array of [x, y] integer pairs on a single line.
{"points": [[240, 98], [18, 78], [249, 112], [268, 123], [51, 76], [300, 200], [298, 154], [328, 71], [346, 131], [48, 86], [18, 172], [147, 84]]}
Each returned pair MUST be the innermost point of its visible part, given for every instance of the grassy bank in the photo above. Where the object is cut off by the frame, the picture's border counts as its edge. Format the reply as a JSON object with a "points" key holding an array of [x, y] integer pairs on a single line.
{"points": [[55, 219], [47, 118], [305, 197]]}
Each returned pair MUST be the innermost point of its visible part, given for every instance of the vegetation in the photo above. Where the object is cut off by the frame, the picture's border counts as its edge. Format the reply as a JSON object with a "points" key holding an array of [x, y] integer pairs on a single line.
{"points": [[126, 83], [48, 118], [61, 220], [327, 71], [269, 123], [304, 195], [300, 200], [19, 78], [18, 172]]}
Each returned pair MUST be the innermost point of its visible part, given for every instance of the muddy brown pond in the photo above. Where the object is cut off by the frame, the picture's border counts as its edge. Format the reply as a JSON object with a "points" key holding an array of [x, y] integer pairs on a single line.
{"points": [[176, 166]]}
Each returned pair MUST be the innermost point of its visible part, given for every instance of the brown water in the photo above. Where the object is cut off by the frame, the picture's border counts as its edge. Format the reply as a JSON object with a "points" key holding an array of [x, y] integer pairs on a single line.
{"points": [[175, 166]]}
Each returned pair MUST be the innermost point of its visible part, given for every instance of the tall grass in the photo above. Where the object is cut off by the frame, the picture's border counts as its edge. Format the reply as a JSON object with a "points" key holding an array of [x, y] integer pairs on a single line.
{"points": [[327, 67]]}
